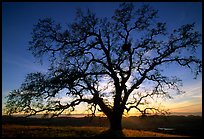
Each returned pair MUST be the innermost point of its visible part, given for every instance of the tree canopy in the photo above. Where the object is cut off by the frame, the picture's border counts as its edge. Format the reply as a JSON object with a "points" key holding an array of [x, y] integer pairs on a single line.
{"points": [[105, 63]]}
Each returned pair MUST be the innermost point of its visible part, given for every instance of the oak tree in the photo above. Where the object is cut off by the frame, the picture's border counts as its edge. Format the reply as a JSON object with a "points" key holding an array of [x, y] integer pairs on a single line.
{"points": [[106, 62]]}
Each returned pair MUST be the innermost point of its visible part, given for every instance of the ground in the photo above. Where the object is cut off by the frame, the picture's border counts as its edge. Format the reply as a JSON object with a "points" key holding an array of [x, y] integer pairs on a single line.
{"points": [[98, 126], [70, 131]]}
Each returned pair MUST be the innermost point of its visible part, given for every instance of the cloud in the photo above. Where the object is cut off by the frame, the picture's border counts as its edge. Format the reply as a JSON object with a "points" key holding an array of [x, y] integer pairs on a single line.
{"points": [[26, 63], [192, 91], [191, 101], [186, 107]]}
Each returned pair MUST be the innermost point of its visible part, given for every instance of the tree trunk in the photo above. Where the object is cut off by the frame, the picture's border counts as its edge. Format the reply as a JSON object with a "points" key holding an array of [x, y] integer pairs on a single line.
{"points": [[115, 122]]}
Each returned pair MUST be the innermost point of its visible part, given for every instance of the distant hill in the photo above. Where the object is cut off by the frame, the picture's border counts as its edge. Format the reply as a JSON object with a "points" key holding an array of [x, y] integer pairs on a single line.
{"points": [[187, 113]]}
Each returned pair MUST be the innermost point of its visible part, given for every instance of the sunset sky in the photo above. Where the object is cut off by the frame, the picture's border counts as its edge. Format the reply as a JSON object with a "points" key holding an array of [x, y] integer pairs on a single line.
{"points": [[18, 20]]}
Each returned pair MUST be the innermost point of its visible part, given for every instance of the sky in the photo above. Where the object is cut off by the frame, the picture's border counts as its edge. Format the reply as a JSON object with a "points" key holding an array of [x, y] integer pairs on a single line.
{"points": [[18, 19]]}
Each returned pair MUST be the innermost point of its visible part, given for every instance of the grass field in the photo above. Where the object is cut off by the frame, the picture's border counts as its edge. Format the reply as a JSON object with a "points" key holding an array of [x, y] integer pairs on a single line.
{"points": [[9, 130], [98, 126]]}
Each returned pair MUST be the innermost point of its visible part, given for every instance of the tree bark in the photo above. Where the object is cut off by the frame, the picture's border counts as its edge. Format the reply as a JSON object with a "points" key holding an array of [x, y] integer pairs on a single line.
{"points": [[115, 121]]}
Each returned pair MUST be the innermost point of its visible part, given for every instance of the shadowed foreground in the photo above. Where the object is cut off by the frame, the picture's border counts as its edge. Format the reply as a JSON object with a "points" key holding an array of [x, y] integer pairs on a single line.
{"points": [[70, 131], [98, 126]]}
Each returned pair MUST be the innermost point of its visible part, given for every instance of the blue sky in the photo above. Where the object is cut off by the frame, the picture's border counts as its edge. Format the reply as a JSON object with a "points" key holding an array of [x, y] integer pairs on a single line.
{"points": [[18, 20]]}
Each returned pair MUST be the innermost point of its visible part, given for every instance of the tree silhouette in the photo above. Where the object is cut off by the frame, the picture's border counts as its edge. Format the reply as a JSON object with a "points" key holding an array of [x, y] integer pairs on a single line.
{"points": [[104, 63]]}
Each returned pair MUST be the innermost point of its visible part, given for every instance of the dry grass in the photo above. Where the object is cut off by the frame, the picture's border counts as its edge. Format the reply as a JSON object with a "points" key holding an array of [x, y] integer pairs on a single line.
{"points": [[69, 131], [49, 131], [141, 133]]}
